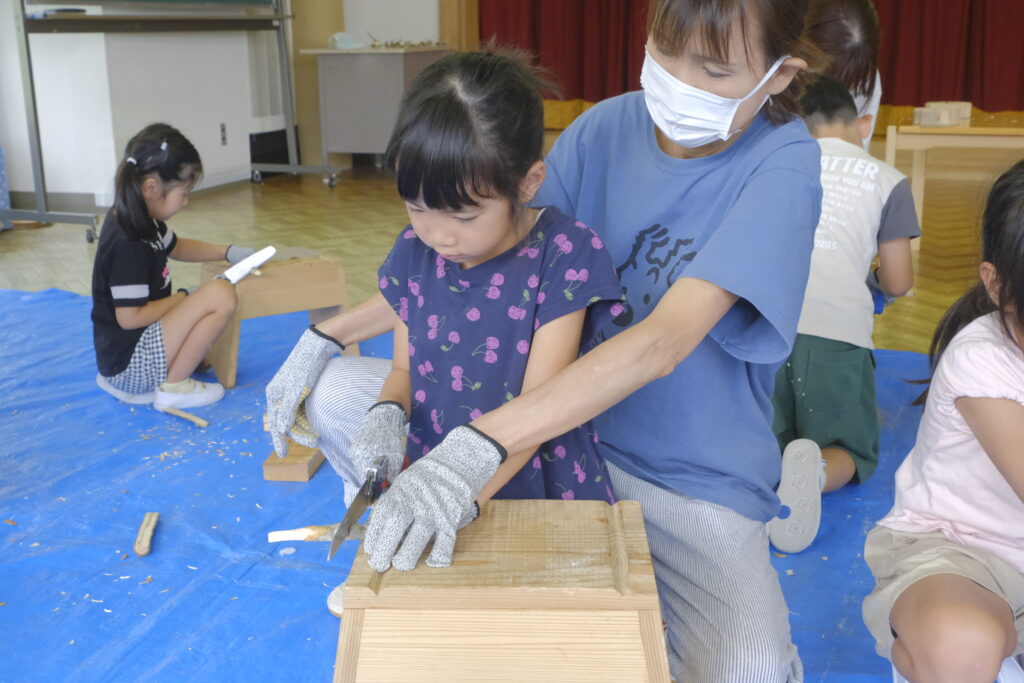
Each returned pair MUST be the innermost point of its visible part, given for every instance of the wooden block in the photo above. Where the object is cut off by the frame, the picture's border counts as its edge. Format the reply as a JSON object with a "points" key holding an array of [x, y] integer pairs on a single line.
{"points": [[538, 590], [300, 464], [145, 536]]}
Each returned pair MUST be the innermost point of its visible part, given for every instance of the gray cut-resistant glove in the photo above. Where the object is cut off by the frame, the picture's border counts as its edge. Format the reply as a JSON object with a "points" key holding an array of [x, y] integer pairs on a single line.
{"points": [[382, 439], [432, 499], [236, 253], [291, 385]]}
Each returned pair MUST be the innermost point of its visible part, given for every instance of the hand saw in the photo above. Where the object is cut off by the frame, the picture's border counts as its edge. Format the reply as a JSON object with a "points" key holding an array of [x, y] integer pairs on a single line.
{"points": [[363, 499]]}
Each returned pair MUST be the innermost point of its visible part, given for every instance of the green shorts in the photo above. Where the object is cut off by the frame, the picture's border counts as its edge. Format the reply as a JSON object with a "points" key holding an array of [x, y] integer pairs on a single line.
{"points": [[825, 392]]}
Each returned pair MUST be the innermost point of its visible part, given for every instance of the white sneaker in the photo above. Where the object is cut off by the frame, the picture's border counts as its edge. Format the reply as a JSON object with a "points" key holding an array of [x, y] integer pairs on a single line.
{"points": [[123, 396], [800, 491], [335, 600], [188, 394]]}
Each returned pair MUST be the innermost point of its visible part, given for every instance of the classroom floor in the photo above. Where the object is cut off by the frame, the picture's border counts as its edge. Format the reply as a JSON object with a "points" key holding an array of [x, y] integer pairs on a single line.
{"points": [[214, 600], [357, 221]]}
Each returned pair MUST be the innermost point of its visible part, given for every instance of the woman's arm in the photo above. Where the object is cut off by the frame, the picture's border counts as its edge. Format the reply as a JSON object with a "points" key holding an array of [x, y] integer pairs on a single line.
{"points": [[369, 319], [616, 368], [134, 317], [398, 387], [553, 348], [998, 423], [193, 251]]}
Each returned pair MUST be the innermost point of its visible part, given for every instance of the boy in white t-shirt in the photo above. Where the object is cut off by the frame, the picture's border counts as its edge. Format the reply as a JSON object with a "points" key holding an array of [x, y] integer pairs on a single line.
{"points": [[825, 414]]}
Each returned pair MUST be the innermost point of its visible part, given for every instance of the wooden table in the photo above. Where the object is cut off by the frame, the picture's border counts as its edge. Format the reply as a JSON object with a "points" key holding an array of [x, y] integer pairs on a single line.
{"points": [[538, 590], [315, 283], [919, 139]]}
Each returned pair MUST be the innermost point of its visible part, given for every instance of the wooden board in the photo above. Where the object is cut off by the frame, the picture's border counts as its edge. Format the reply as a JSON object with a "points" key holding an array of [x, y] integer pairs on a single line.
{"points": [[469, 646], [300, 464], [573, 554], [538, 590]]}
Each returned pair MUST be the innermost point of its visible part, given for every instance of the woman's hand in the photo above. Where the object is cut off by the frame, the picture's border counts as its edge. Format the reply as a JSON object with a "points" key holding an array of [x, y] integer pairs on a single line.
{"points": [[432, 499]]}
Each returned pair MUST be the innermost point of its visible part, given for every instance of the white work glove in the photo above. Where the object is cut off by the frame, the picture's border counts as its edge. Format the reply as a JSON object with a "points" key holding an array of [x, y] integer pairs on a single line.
{"points": [[381, 440], [234, 253], [286, 392], [432, 499]]}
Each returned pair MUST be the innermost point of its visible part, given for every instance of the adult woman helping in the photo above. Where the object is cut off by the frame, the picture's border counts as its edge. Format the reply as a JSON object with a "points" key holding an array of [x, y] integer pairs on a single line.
{"points": [[705, 190]]}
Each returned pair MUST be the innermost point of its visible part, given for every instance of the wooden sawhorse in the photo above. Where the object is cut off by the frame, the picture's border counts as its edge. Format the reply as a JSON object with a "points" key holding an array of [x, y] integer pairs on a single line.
{"points": [[316, 284]]}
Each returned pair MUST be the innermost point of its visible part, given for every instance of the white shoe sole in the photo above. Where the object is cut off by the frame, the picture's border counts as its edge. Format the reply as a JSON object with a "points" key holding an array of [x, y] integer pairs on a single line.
{"points": [[166, 399], [800, 491], [124, 396], [335, 601]]}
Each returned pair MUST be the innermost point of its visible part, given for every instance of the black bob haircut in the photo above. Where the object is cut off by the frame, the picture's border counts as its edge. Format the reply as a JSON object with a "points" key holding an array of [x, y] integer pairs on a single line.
{"points": [[470, 125], [827, 100]]}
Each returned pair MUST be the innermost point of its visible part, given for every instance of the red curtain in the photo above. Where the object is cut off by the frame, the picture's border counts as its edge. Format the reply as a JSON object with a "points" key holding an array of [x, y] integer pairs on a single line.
{"points": [[996, 71], [931, 49], [594, 48]]}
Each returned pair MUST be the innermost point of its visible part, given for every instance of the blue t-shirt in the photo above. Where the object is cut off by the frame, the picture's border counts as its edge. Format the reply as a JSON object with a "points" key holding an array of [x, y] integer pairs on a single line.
{"points": [[742, 219], [470, 333]]}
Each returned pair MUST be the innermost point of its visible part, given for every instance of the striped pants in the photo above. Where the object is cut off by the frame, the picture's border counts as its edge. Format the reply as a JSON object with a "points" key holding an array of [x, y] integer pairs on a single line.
{"points": [[346, 389], [720, 597]]}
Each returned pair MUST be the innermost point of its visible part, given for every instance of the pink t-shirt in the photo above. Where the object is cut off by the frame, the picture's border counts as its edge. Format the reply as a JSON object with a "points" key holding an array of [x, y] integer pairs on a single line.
{"points": [[948, 483]]}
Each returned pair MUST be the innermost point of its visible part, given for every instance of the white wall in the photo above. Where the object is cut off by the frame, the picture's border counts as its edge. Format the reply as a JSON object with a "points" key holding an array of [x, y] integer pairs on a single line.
{"points": [[94, 91], [72, 107], [413, 20], [193, 81]]}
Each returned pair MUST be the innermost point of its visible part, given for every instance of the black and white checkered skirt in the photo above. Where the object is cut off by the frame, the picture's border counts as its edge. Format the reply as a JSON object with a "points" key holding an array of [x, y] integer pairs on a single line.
{"points": [[147, 369]]}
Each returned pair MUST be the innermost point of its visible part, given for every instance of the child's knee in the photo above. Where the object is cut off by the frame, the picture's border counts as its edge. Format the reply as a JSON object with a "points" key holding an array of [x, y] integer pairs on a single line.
{"points": [[961, 645], [222, 296]]}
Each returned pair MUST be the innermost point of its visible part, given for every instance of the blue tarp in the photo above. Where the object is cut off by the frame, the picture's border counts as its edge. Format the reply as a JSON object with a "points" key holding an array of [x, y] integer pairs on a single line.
{"points": [[214, 600]]}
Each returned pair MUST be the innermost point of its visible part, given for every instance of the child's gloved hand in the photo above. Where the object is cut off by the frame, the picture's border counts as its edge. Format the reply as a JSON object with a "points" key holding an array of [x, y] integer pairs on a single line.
{"points": [[432, 499], [382, 439], [235, 253], [290, 386], [879, 297]]}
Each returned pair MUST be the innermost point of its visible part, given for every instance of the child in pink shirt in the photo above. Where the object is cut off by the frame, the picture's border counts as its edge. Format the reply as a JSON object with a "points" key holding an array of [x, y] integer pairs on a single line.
{"points": [[948, 559]]}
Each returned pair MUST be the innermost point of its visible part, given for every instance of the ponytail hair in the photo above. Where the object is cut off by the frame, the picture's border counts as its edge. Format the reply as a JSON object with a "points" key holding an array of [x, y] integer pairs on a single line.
{"points": [[1003, 247], [157, 150]]}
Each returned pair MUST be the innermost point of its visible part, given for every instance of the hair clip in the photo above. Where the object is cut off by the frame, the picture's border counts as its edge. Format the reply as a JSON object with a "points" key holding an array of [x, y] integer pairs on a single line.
{"points": [[132, 161], [163, 146]]}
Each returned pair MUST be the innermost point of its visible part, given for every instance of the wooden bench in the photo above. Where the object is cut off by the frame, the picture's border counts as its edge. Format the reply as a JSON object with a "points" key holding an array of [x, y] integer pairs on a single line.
{"points": [[313, 283], [538, 590]]}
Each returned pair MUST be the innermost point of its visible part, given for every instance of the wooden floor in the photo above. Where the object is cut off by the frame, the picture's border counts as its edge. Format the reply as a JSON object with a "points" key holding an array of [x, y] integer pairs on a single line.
{"points": [[359, 219]]}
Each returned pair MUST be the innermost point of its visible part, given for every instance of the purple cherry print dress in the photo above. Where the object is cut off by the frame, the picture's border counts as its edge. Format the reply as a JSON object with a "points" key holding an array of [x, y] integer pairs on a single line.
{"points": [[470, 332]]}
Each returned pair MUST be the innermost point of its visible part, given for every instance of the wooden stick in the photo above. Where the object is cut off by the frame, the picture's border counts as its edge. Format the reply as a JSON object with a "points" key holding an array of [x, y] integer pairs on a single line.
{"points": [[145, 535], [315, 532], [194, 419]]}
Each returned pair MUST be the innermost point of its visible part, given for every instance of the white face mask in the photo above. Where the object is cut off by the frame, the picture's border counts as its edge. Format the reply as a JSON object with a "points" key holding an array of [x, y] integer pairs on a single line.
{"points": [[689, 116]]}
